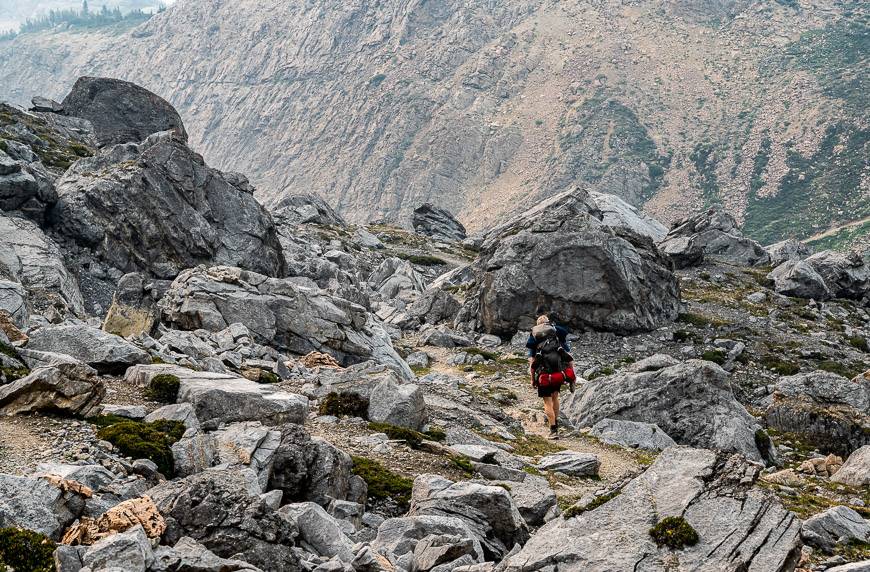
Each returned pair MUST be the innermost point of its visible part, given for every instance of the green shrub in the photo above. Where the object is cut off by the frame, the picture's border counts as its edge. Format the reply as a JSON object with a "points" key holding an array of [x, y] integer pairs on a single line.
{"points": [[860, 343], [780, 366], [484, 353], [700, 320], [716, 356], [462, 462], [345, 404], [413, 438], [140, 440], [436, 433], [25, 551], [837, 367], [383, 483], [163, 388], [674, 532], [268, 377], [682, 336]]}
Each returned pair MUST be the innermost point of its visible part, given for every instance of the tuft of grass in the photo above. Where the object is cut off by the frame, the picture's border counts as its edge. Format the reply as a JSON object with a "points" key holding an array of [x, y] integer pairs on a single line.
{"points": [[682, 336], [674, 532], [780, 366], [163, 388], [462, 462], [25, 551], [436, 433], [529, 445], [383, 484], [344, 404], [717, 356], [700, 320], [577, 510], [413, 438], [493, 356], [842, 368], [140, 440], [860, 343]]}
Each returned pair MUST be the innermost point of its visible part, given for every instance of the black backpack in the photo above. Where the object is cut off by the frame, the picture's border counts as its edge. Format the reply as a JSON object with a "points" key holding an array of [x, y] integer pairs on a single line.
{"points": [[548, 349]]}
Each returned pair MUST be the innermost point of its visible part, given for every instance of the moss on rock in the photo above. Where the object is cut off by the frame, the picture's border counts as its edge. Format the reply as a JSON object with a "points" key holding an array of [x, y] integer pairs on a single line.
{"points": [[674, 532], [344, 404], [383, 483], [163, 388], [140, 440]]}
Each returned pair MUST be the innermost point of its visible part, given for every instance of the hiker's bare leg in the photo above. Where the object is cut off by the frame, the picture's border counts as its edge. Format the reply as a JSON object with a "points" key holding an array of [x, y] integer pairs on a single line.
{"points": [[548, 409], [555, 408]]}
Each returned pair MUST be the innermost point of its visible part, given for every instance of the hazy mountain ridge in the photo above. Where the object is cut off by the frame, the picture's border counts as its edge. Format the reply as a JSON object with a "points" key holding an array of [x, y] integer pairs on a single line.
{"points": [[481, 107]]}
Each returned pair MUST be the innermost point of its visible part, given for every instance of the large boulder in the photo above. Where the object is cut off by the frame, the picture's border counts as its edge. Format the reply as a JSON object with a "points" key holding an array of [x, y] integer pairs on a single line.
{"points": [[798, 278], [399, 404], [120, 111], [488, 511], [739, 527], [847, 274], [219, 509], [856, 470], [634, 434], [559, 255], [398, 538], [157, 208], [715, 235], [837, 525], [71, 388], [38, 505], [35, 261], [134, 307], [305, 209], [831, 411], [571, 463], [189, 555], [306, 468], [437, 223], [789, 249], [434, 306], [219, 398], [319, 530], [692, 402], [104, 351], [280, 313], [616, 213]]}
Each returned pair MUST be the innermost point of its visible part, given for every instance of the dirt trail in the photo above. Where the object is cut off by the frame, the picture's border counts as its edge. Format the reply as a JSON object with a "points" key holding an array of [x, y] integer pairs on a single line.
{"points": [[834, 230]]}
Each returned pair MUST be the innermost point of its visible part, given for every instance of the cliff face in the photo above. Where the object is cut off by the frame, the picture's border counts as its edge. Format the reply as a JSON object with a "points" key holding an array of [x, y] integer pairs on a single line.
{"points": [[483, 107]]}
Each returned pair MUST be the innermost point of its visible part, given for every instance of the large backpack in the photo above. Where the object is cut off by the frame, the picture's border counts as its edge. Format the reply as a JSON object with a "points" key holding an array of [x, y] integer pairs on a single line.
{"points": [[548, 354]]}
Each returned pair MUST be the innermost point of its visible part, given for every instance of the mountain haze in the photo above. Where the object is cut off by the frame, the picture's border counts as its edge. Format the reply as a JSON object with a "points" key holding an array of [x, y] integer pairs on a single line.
{"points": [[483, 107]]}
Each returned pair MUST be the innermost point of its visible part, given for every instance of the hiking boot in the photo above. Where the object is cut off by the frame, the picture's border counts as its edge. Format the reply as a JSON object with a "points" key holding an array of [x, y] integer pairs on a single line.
{"points": [[554, 432]]}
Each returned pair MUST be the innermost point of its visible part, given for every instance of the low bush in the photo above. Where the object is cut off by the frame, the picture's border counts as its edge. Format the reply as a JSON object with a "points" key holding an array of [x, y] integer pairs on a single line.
{"points": [[841, 368], [780, 366], [436, 433], [716, 356], [344, 404], [25, 551], [163, 388], [462, 463], [409, 436], [674, 532], [860, 343], [383, 484], [140, 440]]}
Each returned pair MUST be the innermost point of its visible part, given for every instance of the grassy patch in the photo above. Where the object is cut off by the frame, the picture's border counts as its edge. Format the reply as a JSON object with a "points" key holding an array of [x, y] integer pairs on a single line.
{"points": [[483, 353], [163, 388], [576, 510], [529, 445], [859, 343], [674, 532], [344, 404], [462, 463], [845, 369], [716, 356], [25, 551], [700, 320], [383, 483], [140, 440], [780, 366]]}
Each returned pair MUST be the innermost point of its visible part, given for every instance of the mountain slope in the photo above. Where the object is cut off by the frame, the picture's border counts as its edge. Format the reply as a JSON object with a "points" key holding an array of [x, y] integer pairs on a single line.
{"points": [[483, 106]]}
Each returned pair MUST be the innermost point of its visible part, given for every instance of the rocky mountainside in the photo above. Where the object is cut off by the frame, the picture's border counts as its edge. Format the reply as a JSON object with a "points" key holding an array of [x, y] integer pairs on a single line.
{"points": [[483, 107], [192, 381]]}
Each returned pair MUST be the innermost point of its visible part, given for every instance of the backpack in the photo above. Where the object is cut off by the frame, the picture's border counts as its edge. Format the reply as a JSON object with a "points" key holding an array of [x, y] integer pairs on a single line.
{"points": [[548, 354]]}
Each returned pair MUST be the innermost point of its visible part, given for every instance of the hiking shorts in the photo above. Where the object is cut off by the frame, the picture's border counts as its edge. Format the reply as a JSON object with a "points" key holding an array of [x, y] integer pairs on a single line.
{"points": [[549, 390]]}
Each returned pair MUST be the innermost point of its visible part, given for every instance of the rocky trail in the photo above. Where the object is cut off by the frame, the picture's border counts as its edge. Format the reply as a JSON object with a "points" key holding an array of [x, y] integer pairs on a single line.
{"points": [[190, 381]]}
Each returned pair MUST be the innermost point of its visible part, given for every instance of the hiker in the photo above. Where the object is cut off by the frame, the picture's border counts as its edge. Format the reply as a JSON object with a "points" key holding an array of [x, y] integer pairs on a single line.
{"points": [[550, 366]]}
